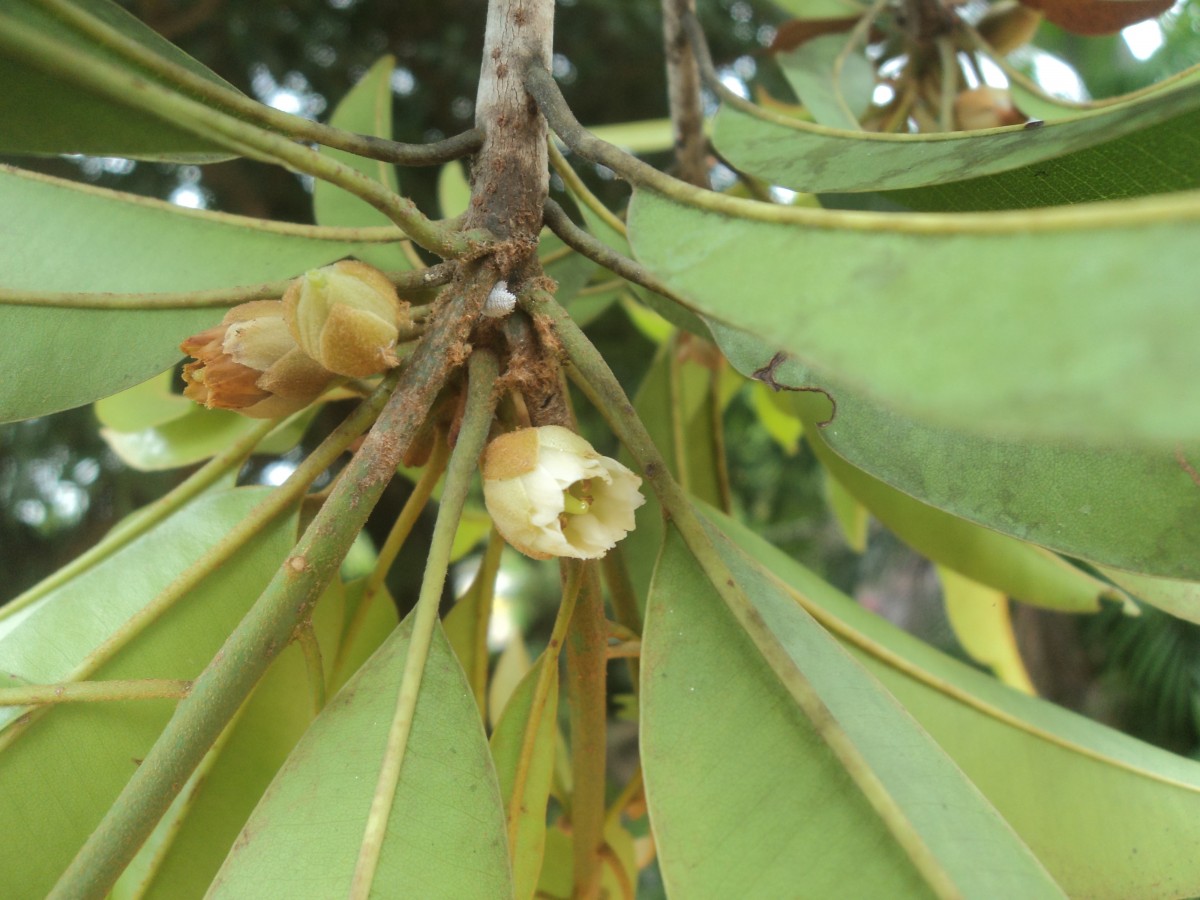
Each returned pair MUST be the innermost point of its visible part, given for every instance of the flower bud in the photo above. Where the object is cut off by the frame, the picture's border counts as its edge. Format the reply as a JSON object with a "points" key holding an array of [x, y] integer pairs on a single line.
{"points": [[550, 493], [986, 107], [347, 317], [250, 363]]}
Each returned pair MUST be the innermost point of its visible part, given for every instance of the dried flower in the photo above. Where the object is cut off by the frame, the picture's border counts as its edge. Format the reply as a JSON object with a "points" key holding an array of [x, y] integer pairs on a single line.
{"points": [[347, 317], [550, 493], [251, 363]]}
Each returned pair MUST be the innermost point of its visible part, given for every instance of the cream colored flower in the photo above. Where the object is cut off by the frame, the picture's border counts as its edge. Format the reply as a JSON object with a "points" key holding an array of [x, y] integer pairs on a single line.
{"points": [[251, 364], [551, 494], [347, 317]]}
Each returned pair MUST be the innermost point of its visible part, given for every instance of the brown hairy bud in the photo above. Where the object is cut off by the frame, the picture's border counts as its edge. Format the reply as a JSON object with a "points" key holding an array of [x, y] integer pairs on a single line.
{"points": [[347, 317]]}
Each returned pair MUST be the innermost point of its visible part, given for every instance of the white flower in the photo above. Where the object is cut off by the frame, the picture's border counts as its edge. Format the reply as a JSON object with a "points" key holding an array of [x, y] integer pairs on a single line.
{"points": [[551, 494]]}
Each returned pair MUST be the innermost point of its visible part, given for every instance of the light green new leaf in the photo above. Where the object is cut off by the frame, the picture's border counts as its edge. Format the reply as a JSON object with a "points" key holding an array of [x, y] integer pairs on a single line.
{"points": [[837, 103], [1179, 598], [366, 109], [752, 793], [852, 517], [453, 190], [97, 623], [43, 114], [982, 623], [62, 236], [816, 159], [523, 749], [187, 848], [821, 9], [445, 836], [150, 428], [380, 620], [1109, 816], [1131, 508], [1075, 324]]}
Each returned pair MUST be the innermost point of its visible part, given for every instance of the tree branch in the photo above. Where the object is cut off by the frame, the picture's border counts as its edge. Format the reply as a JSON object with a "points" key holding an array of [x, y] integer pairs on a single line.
{"points": [[683, 94], [223, 686], [511, 180]]}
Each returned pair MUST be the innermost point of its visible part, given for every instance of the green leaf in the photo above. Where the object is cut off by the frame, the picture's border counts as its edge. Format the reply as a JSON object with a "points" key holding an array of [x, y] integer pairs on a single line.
{"points": [[557, 876], [674, 400], [366, 109], [648, 136], [982, 623], [453, 190], [861, 298], [187, 848], [62, 236], [745, 788], [820, 9], [150, 428], [571, 271], [1131, 508], [1084, 797], [44, 114], [380, 621], [1155, 160], [533, 764], [672, 312], [836, 103], [1179, 598], [445, 837], [852, 517], [816, 159], [60, 770], [1020, 570]]}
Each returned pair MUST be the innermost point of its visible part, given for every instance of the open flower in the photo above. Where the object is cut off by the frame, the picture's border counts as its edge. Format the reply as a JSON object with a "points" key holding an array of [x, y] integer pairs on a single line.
{"points": [[347, 317], [550, 493], [250, 363]]}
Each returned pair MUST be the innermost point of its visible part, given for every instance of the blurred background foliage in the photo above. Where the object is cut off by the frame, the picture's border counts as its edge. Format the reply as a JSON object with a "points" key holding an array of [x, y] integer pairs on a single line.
{"points": [[61, 487]]}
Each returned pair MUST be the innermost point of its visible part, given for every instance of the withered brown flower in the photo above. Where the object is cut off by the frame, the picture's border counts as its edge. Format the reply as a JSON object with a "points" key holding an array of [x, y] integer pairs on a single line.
{"points": [[251, 363]]}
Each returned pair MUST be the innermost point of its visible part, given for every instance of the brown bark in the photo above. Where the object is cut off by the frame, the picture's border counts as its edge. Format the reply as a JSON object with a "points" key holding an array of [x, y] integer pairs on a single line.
{"points": [[511, 177], [683, 94]]}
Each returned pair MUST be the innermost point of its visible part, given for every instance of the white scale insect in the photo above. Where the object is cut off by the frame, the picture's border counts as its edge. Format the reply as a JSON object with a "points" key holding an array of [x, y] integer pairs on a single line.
{"points": [[500, 302]]}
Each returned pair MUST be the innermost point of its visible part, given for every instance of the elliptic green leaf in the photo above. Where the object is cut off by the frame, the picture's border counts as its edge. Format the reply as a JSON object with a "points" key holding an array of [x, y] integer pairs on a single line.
{"points": [[366, 109], [1020, 570], [187, 848], [1179, 598], [446, 832], [533, 766], [1135, 509], [61, 236], [43, 114], [982, 623], [1109, 816], [98, 624], [836, 103], [453, 190], [1158, 159], [156, 429], [816, 159], [380, 621], [751, 792], [1072, 324]]}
